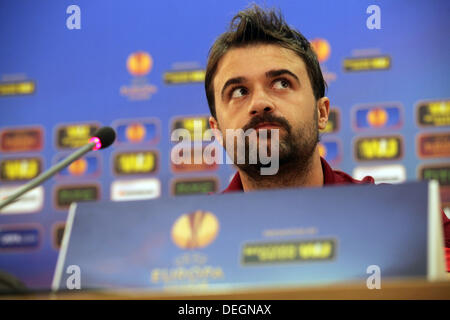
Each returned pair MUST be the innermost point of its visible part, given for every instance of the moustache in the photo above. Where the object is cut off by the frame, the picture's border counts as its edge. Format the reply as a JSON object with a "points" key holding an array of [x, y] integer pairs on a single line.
{"points": [[256, 120]]}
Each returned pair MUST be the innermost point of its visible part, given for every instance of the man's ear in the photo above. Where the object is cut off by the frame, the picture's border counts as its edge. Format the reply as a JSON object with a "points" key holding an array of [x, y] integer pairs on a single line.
{"points": [[323, 110], [214, 125]]}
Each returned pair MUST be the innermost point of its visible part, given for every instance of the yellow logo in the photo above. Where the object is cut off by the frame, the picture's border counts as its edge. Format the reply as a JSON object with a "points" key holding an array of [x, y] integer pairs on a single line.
{"points": [[298, 251], [434, 113], [139, 63], [17, 88], [322, 49], [139, 162], [78, 167], [377, 117], [378, 148], [322, 150], [197, 127], [195, 230], [75, 135], [188, 76], [19, 169], [367, 63], [135, 132]]}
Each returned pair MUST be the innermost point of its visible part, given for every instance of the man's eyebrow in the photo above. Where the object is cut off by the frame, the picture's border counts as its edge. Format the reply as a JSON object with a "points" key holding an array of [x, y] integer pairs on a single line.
{"points": [[269, 74], [230, 82], [277, 73]]}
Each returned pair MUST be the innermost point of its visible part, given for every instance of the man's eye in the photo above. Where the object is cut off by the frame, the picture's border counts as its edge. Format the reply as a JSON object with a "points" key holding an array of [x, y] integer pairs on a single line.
{"points": [[238, 92], [281, 84]]}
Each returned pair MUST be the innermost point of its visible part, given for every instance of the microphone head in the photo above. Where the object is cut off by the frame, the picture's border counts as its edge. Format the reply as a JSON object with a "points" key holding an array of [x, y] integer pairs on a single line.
{"points": [[103, 137]]}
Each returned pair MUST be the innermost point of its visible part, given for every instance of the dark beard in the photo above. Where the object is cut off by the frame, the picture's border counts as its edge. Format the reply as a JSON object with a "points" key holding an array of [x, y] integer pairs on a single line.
{"points": [[295, 149]]}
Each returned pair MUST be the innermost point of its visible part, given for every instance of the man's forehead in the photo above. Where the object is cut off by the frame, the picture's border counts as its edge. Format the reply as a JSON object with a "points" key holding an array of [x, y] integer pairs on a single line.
{"points": [[242, 61]]}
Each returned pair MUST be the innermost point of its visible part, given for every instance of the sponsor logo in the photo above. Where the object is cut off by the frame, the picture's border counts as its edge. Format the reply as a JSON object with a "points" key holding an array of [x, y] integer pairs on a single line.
{"points": [[58, 233], [65, 195], [194, 186], [139, 64], [192, 269], [30, 202], [196, 163], [322, 49], [137, 131], [292, 251], [184, 76], [20, 169], [367, 63], [135, 162], [333, 121], [138, 189], [377, 117], [197, 127], [433, 145], [21, 140], [440, 172], [394, 173], [433, 113], [195, 230], [74, 135], [378, 148], [17, 88], [88, 166], [330, 151], [20, 237], [191, 231], [137, 92]]}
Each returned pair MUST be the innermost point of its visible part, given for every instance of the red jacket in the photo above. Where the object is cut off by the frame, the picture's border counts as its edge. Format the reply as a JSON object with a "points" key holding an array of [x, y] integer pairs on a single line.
{"points": [[331, 176]]}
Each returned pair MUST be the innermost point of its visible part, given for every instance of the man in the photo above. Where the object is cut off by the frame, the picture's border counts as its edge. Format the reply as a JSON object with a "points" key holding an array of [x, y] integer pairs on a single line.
{"points": [[262, 74]]}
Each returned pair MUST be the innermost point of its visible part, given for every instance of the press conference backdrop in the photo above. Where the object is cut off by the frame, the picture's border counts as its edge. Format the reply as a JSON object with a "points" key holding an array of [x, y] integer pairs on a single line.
{"points": [[138, 66]]}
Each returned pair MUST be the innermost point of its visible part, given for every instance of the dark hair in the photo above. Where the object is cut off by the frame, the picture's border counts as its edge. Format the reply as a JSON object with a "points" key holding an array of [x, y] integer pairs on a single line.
{"points": [[255, 26]]}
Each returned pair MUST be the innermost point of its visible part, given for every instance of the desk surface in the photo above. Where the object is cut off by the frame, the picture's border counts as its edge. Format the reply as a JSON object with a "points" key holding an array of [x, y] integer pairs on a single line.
{"points": [[415, 289]]}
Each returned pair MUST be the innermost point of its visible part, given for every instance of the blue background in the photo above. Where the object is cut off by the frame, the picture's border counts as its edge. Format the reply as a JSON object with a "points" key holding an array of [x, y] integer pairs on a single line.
{"points": [[78, 75]]}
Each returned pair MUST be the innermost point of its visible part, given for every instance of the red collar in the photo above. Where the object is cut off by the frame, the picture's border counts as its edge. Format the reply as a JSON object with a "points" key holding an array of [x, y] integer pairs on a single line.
{"points": [[330, 177]]}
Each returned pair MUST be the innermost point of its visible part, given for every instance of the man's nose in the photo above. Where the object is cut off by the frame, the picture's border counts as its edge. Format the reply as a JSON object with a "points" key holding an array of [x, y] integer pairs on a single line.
{"points": [[260, 103]]}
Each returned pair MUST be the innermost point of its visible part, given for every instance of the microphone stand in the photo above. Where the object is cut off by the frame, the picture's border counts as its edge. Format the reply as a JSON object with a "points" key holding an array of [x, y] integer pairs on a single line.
{"points": [[47, 174]]}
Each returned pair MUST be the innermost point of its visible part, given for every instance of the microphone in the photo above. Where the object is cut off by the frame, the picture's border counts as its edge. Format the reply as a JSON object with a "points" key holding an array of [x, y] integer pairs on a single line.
{"points": [[102, 138]]}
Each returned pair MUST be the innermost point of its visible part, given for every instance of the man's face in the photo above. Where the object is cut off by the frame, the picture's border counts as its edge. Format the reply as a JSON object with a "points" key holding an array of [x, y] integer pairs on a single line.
{"points": [[267, 87]]}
